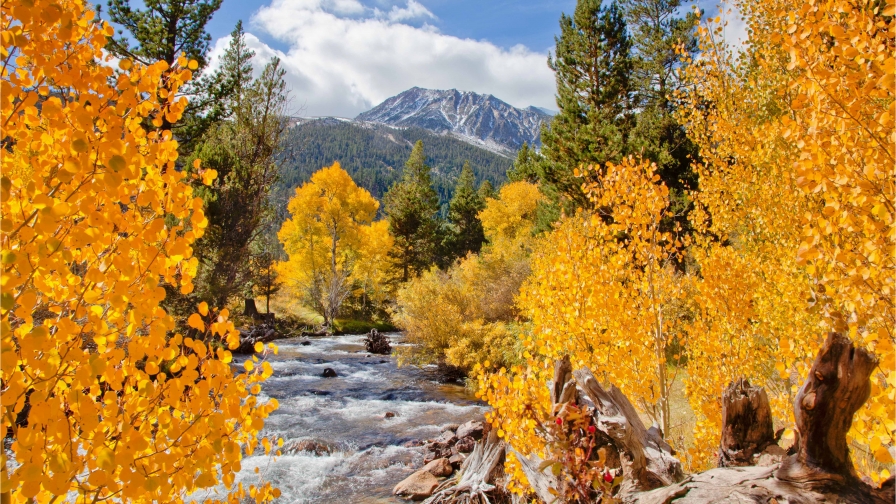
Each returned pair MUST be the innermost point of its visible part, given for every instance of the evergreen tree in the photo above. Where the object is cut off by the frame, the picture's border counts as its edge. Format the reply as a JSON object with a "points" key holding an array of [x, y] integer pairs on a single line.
{"points": [[243, 151], [593, 65], [163, 30], [658, 32], [525, 166], [486, 191], [411, 207], [466, 228]]}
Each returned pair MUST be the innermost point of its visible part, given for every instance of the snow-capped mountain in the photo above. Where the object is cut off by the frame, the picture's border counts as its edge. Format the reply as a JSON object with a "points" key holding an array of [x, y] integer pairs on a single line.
{"points": [[479, 119]]}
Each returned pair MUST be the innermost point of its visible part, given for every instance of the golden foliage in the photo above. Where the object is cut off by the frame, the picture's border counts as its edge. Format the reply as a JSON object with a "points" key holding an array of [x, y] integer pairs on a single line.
{"points": [[796, 203], [100, 399], [461, 315], [604, 292], [332, 242]]}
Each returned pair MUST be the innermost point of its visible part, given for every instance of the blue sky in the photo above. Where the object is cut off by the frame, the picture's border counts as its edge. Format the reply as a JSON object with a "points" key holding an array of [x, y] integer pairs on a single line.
{"points": [[533, 23], [345, 56]]}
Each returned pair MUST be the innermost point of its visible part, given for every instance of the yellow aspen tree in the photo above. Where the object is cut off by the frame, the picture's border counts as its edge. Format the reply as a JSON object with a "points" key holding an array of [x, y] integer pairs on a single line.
{"points": [[795, 204], [324, 238], [100, 396], [603, 290]]}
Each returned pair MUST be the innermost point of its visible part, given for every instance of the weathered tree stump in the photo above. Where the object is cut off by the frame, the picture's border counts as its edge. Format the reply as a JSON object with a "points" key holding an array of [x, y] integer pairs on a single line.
{"points": [[477, 476], [820, 472], [250, 309], [747, 427], [647, 460], [837, 386]]}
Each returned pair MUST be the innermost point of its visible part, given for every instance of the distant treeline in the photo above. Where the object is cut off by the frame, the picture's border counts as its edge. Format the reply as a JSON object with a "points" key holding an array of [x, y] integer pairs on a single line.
{"points": [[374, 157]]}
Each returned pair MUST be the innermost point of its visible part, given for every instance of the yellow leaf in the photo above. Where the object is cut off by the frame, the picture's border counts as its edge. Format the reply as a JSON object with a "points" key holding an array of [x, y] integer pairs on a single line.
{"points": [[195, 321]]}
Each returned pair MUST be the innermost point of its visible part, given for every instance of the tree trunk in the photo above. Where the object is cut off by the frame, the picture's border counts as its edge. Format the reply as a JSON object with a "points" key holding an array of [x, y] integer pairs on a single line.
{"points": [[251, 310], [746, 424], [837, 386]]}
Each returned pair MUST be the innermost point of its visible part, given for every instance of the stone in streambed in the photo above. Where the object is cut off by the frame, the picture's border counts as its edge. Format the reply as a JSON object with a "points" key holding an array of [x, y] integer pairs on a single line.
{"points": [[390, 414], [447, 438], [457, 460], [304, 342], [329, 373], [465, 445], [417, 486], [450, 427], [472, 428], [439, 467]]}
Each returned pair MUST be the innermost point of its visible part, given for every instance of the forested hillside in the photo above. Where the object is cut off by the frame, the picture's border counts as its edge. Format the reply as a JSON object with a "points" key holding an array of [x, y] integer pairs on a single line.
{"points": [[373, 155]]}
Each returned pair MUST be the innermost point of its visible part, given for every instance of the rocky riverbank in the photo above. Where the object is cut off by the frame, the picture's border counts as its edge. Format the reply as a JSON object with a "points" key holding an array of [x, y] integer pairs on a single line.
{"points": [[442, 457]]}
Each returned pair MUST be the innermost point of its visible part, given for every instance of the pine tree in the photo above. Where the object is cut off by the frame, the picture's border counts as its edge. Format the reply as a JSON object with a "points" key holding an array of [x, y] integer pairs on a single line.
{"points": [[658, 32], [593, 66], [525, 166], [486, 191], [411, 207], [466, 228], [243, 151], [163, 30]]}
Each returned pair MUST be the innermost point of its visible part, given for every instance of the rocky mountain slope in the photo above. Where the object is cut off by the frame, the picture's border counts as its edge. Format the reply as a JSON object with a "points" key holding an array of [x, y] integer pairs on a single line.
{"points": [[479, 119]]}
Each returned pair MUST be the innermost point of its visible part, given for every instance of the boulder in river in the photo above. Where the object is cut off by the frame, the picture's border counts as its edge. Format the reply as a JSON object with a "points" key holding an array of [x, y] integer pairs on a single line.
{"points": [[329, 373], [390, 414], [457, 459], [417, 486], [450, 427], [309, 445], [439, 467], [472, 428], [305, 342]]}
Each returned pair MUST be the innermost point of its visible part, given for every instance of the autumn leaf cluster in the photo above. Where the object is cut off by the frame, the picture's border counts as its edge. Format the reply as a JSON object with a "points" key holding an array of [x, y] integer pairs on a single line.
{"points": [[101, 395], [792, 236]]}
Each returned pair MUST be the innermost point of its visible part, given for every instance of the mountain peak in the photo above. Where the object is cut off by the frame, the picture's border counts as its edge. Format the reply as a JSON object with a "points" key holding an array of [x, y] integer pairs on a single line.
{"points": [[478, 118]]}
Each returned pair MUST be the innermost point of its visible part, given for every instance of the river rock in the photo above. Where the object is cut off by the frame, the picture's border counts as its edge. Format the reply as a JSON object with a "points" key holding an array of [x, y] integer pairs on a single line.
{"points": [[417, 486], [390, 414], [447, 438], [450, 427], [309, 445], [472, 428], [304, 342], [465, 445], [457, 460], [435, 451], [329, 373], [439, 467]]}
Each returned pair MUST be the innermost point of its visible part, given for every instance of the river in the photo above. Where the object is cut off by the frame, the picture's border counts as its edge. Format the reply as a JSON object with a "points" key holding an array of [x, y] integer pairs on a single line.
{"points": [[347, 412]]}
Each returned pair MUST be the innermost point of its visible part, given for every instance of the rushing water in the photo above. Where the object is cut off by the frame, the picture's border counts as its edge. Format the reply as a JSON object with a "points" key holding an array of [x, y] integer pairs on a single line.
{"points": [[347, 412]]}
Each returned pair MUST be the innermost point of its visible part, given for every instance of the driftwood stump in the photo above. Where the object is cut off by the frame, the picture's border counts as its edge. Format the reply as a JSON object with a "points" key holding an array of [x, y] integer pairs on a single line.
{"points": [[837, 386], [647, 460], [747, 427], [821, 470]]}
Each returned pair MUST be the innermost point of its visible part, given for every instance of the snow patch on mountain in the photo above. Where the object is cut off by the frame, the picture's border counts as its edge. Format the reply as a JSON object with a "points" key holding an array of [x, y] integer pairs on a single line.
{"points": [[482, 120]]}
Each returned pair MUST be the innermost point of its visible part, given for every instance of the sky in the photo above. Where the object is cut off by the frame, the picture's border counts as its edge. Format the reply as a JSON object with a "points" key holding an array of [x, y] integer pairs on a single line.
{"points": [[343, 57]]}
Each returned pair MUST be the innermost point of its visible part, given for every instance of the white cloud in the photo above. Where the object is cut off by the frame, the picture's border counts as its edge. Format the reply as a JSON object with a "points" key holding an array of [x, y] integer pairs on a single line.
{"points": [[344, 58], [414, 10]]}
